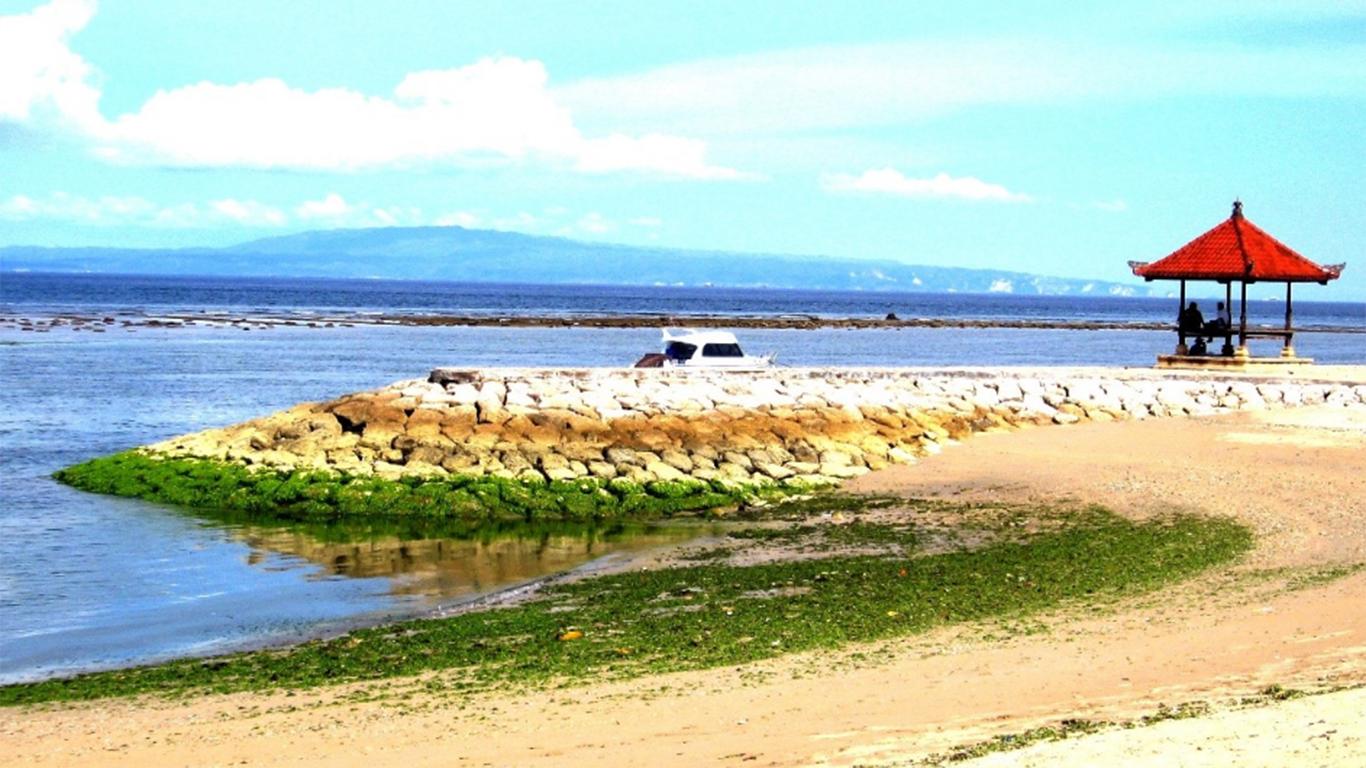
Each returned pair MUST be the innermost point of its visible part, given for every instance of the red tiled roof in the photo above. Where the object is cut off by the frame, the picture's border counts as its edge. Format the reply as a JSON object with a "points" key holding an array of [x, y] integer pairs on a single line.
{"points": [[1239, 250]]}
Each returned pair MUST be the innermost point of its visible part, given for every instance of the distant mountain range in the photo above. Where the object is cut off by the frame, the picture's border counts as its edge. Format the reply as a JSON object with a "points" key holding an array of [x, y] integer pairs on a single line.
{"points": [[485, 256]]}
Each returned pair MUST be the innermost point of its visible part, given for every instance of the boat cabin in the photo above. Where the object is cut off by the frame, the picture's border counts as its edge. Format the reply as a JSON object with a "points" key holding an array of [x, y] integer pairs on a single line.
{"points": [[715, 345], [686, 348]]}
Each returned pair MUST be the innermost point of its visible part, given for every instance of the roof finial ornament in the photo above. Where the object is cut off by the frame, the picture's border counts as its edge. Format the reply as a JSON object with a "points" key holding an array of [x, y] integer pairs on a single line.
{"points": [[1237, 208]]}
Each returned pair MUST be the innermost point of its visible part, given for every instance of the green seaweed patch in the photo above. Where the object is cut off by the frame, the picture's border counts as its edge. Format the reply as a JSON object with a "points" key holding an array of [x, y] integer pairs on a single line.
{"points": [[1320, 575], [830, 536], [1065, 729], [823, 501], [710, 615], [303, 495]]}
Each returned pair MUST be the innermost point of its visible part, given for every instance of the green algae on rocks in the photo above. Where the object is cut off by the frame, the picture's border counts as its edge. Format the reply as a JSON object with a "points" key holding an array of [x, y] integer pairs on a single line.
{"points": [[198, 483]]}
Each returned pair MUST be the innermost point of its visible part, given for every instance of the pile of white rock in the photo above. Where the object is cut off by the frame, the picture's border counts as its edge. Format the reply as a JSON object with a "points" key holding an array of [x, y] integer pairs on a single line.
{"points": [[787, 425]]}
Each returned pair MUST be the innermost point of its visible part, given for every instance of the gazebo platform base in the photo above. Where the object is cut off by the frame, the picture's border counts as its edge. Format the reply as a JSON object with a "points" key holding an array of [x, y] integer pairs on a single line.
{"points": [[1233, 363]]}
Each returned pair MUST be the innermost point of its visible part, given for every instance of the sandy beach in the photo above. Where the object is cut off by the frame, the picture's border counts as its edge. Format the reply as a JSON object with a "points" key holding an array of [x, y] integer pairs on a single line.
{"points": [[1285, 617]]}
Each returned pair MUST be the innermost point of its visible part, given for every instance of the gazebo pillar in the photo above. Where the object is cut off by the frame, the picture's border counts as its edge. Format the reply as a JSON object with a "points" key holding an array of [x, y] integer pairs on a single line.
{"points": [[1241, 351], [1180, 330], [1227, 349], [1289, 349]]}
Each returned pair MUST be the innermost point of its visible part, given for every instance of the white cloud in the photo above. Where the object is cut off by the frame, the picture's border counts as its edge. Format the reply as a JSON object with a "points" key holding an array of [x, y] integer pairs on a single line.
{"points": [[654, 153], [19, 206], [103, 210], [39, 74], [179, 216], [328, 211], [1111, 206], [457, 219], [336, 211], [825, 87], [137, 210], [813, 88], [333, 206], [248, 212], [893, 182], [494, 110], [594, 224]]}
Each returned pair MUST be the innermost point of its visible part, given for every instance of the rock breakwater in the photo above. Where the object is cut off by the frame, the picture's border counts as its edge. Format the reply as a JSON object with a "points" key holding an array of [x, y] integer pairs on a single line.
{"points": [[783, 427]]}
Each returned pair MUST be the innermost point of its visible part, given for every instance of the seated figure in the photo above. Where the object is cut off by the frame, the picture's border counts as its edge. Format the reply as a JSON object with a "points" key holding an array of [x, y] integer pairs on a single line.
{"points": [[1221, 323], [1190, 320]]}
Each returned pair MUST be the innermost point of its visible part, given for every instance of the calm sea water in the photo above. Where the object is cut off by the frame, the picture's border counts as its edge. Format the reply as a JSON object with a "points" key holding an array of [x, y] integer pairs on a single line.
{"points": [[90, 581], [40, 293]]}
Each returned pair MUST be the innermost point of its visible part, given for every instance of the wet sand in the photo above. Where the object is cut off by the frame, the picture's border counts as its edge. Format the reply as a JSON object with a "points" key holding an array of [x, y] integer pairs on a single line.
{"points": [[1297, 477]]}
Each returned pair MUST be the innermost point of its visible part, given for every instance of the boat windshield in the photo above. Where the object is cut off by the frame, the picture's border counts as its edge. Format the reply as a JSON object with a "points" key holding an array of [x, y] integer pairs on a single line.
{"points": [[722, 350], [680, 350]]}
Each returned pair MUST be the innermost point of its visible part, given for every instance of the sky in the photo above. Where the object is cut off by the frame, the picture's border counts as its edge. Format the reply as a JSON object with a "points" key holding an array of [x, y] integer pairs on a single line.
{"points": [[1059, 138]]}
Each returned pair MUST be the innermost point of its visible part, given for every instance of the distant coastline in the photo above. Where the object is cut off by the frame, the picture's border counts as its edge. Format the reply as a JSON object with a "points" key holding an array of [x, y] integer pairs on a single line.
{"points": [[490, 256]]}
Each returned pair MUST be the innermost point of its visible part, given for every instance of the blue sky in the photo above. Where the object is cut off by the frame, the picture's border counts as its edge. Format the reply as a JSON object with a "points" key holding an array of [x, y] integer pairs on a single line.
{"points": [[1060, 138]]}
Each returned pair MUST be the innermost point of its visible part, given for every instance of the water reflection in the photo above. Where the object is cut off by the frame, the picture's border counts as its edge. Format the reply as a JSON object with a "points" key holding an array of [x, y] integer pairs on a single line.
{"points": [[194, 584], [442, 561]]}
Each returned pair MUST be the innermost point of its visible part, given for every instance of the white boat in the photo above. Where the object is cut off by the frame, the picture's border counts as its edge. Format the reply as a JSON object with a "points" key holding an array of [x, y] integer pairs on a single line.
{"points": [[687, 348]]}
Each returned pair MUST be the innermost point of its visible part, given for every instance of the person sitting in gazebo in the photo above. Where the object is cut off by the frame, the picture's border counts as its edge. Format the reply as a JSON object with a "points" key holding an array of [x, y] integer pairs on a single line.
{"points": [[1191, 321], [1221, 323]]}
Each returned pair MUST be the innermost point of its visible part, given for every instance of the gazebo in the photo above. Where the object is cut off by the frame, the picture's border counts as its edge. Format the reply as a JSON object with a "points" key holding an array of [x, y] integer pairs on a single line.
{"points": [[1235, 251]]}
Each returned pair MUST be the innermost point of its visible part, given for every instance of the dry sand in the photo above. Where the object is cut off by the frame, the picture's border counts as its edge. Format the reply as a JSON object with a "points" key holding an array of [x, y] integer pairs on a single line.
{"points": [[1298, 477], [1320, 731]]}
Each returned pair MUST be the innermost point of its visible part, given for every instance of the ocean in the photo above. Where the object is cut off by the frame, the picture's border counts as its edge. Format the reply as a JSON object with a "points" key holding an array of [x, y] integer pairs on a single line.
{"points": [[90, 581], [51, 293]]}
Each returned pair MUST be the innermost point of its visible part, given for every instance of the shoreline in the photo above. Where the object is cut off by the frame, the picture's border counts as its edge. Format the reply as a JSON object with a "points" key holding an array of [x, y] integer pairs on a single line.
{"points": [[493, 599]]}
